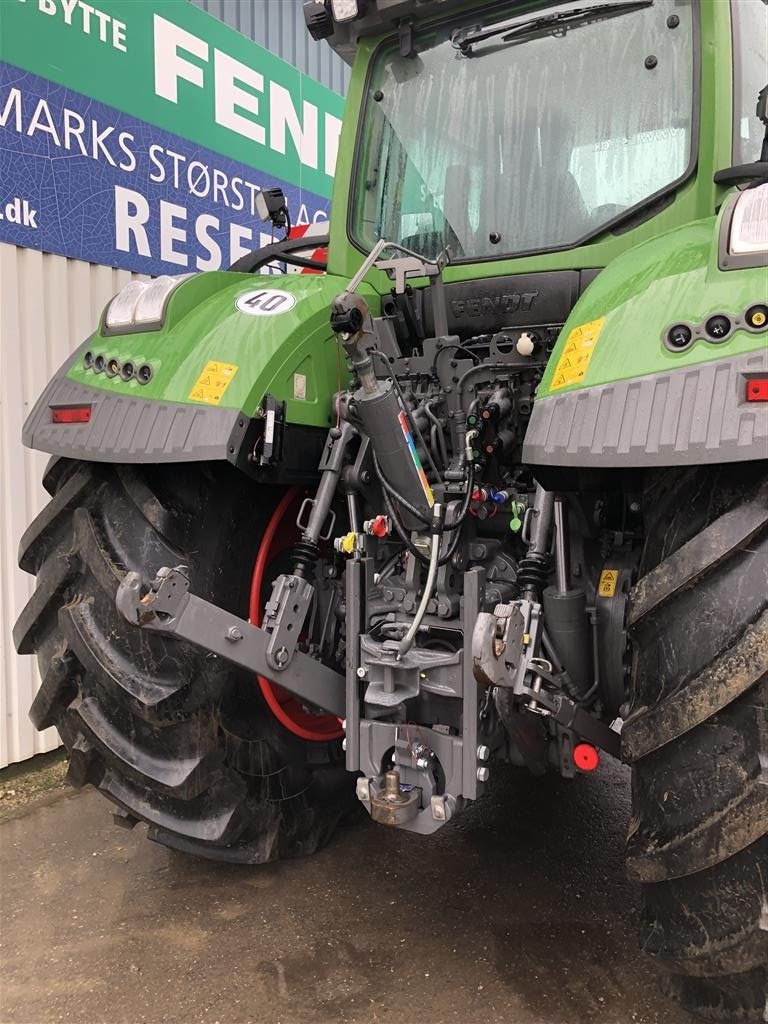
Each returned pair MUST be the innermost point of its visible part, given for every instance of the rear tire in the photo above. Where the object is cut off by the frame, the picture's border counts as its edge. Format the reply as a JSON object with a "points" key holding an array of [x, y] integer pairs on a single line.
{"points": [[697, 737], [173, 736]]}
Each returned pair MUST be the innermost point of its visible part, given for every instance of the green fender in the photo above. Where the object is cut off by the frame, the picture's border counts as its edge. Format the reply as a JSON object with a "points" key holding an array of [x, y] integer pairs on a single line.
{"points": [[211, 363], [616, 394], [203, 324]]}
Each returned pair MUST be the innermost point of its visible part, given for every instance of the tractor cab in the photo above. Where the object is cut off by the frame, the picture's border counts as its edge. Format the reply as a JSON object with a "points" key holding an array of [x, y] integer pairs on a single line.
{"points": [[512, 134]]}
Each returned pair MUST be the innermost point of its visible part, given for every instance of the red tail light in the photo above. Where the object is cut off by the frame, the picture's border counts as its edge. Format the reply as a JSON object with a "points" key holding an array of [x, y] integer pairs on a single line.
{"points": [[71, 414], [757, 390]]}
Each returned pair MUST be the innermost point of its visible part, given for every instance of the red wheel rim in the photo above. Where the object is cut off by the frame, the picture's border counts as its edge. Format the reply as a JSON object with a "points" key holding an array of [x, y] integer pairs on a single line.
{"points": [[279, 535]]}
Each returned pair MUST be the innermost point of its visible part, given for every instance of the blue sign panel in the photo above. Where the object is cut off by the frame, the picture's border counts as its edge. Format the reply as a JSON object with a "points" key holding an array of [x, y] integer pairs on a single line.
{"points": [[88, 181]]}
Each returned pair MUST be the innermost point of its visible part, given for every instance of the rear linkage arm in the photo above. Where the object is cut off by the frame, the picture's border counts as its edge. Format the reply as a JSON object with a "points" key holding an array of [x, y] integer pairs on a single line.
{"points": [[503, 648], [166, 607]]}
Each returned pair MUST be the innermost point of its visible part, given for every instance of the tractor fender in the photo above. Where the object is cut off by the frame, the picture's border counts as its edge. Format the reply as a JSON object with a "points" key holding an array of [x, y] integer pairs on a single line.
{"points": [[225, 342], [620, 390]]}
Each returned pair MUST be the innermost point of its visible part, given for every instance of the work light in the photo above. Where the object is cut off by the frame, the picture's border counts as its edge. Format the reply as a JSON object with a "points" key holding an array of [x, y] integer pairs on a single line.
{"points": [[344, 10], [271, 205], [140, 305]]}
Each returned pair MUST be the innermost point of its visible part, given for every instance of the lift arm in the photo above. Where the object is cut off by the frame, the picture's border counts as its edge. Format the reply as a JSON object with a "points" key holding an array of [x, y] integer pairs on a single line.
{"points": [[167, 607]]}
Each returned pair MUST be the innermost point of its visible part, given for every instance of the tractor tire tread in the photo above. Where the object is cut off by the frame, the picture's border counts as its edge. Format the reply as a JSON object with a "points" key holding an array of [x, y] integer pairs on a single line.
{"points": [[697, 737], [147, 721]]}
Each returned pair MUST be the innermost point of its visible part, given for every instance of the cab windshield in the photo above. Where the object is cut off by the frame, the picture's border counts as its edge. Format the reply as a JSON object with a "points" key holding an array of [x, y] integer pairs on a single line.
{"points": [[529, 144]]}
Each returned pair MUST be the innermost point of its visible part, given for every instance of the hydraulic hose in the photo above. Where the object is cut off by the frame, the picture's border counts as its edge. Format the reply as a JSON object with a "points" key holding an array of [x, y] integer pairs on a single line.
{"points": [[399, 498], [401, 530], [437, 531], [437, 425], [389, 567], [457, 522], [396, 384]]}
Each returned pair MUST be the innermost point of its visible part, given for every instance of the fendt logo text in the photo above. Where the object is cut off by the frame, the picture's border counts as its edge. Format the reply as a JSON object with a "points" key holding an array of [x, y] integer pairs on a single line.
{"points": [[487, 305], [18, 211]]}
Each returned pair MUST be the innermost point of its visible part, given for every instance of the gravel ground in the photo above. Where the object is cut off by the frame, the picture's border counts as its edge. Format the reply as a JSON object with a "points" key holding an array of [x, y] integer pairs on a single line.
{"points": [[516, 913], [22, 785]]}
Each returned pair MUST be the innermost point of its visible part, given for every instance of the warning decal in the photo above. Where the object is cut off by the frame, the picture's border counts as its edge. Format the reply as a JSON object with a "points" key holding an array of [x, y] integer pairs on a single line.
{"points": [[575, 357], [416, 460], [213, 382], [608, 580]]}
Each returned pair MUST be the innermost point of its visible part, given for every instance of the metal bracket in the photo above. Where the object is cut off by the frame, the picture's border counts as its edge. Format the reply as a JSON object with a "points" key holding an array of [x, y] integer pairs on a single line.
{"points": [[166, 607], [568, 714], [305, 515], [405, 34], [284, 615], [503, 643], [392, 681], [499, 658]]}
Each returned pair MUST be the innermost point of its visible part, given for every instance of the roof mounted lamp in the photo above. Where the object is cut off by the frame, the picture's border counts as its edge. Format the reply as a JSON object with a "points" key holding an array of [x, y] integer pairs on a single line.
{"points": [[345, 10], [320, 15]]}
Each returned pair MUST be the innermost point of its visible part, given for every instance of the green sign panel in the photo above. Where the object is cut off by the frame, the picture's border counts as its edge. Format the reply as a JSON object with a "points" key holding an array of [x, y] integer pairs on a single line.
{"points": [[174, 66]]}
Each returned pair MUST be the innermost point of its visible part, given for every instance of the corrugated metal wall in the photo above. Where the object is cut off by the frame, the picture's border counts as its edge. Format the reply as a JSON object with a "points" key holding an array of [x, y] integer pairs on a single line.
{"points": [[48, 305], [278, 25]]}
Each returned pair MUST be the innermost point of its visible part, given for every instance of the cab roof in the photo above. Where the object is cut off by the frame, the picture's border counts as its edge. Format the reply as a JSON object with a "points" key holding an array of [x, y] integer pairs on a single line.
{"points": [[381, 16]]}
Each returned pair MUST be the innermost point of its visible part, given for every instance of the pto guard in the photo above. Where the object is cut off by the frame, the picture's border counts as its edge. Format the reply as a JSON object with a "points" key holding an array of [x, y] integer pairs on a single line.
{"points": [[190, 385], [657, 362]]}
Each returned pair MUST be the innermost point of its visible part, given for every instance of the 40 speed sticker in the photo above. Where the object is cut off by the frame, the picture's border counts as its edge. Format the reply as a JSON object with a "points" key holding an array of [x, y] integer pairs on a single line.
{"points": [[265, 302]]}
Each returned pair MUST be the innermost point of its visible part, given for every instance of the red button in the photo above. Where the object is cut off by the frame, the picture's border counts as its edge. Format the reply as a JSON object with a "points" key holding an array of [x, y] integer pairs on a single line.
{"points": [[585, 757]]}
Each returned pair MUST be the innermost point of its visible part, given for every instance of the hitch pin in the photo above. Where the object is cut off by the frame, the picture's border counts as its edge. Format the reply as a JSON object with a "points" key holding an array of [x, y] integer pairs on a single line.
{"points": [[536, 684]]}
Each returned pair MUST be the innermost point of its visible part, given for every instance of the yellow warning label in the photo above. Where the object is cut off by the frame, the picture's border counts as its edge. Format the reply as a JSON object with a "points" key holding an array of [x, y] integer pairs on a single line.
{"points": [[213, 382], [608, 580], [575, 357]]}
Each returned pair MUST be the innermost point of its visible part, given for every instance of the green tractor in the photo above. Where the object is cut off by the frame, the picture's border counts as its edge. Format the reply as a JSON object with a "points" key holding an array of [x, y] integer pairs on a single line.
{"points": [[491, 488]]}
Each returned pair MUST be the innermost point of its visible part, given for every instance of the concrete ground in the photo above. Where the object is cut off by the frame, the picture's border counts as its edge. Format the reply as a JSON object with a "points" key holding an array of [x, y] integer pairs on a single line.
{"points": [[516, 913]]}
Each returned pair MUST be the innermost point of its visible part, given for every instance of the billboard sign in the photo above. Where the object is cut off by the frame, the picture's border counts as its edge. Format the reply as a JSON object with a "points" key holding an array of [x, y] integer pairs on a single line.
{"points": [[138, 135]]}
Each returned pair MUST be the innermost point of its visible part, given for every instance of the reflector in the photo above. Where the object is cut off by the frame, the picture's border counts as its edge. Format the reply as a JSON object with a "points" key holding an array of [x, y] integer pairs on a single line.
{"points": [[757, 390], [585, 757], [71, 414]]}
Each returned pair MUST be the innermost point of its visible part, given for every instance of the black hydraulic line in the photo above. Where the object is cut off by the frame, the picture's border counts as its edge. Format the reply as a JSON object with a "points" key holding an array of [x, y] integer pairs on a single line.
{"points": [[476, 369], [389, 567], [401, 530], [449, 528], [433, 442], [403, 534], [588, 697], [458, 348], [452, 546], [396, 383], [440, 432], [465, 502], [399, 498]]}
